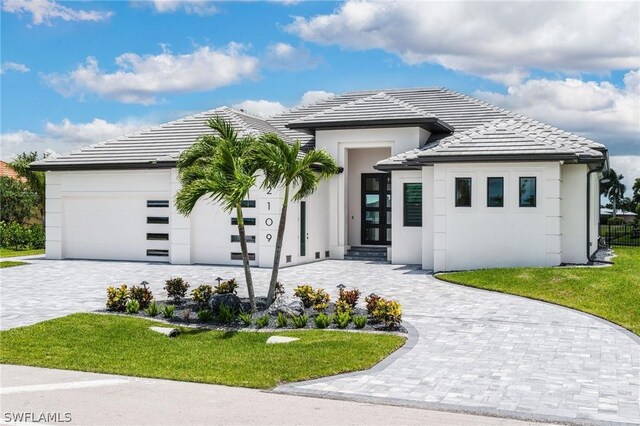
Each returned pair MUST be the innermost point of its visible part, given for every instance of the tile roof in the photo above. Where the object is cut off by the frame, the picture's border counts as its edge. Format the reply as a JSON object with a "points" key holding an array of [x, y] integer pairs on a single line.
{"points": [[8, 171], [480, 129]]}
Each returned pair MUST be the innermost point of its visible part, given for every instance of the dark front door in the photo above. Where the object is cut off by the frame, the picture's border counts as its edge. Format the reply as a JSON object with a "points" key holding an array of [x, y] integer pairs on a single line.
{"points": [[376, 208]]}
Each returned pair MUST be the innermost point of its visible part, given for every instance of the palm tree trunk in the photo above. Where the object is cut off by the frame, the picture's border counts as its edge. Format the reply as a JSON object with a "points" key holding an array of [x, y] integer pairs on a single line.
{"points": [[245, 257], [278, 252], [615, 205]]}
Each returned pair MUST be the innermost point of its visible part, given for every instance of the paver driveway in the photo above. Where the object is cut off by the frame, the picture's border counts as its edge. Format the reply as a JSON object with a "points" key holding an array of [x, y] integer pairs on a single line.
{"points": [[473, 350]]}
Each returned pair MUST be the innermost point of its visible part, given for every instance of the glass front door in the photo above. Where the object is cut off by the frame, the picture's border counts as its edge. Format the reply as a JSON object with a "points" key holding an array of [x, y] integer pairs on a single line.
{"points": [[376, 208]]}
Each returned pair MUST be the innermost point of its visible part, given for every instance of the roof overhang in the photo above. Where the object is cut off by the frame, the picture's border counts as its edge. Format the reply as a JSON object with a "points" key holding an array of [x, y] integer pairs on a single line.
{"points": [[103, 166], [432, 124]]}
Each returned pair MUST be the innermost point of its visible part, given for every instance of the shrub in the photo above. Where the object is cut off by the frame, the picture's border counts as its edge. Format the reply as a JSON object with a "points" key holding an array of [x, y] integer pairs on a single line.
{"points": [[205, 315], [360, 321], [388, 312], [349, 297], [37, 237], [133, 307], [176, 288], [342, 319], [300, 321], [153, 310], [306, 294], [167, 311], [117, 298], [282, 320], [18, 201], [226, 314], [142, 295], [202, 294], [322, 320], [227, 287], [321, 300], [263, 321], [615, 221], [16, 236], [342, 307], [371, 302], [246, 318]]}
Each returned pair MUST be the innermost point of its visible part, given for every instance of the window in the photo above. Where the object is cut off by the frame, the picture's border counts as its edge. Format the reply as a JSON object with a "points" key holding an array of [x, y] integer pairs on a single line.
{"points": [[247, 220], [248, 238], [157, 220], [463, 192], [327, 253], [303, 228], [158, 237], [238, 256], [160, 253], [157, 203], [495, 192], [527, 192], [248, 203], [412, 204]]}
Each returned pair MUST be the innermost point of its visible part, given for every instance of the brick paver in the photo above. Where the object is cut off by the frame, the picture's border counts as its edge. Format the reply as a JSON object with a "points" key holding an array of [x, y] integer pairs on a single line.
{"points": [[474, 350]]}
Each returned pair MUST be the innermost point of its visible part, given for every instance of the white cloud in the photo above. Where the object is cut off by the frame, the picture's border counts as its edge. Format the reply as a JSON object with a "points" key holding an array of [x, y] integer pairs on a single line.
{"points": [[264, 108], [497, 40], [47, 11], [629, 167], [285, 56], [65, 136], [140, 79], [598, 110], [192, 7], [13, 66]]}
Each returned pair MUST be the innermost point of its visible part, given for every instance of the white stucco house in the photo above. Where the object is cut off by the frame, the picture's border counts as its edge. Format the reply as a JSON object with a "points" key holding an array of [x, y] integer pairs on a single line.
{"points": [[430, 177]]}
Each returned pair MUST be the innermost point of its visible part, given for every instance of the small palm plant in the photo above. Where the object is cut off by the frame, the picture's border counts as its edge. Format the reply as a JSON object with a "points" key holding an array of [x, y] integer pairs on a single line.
{"points": [[220, 167], [286, 166]]}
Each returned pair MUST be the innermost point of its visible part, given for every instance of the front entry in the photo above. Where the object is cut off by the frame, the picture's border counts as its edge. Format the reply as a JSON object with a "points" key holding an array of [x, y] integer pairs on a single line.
{"points": [[376, 209]]}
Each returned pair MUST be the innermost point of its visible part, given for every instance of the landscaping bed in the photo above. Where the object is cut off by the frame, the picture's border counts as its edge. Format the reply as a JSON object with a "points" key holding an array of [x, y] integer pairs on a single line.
{"points": [[118, 344]]}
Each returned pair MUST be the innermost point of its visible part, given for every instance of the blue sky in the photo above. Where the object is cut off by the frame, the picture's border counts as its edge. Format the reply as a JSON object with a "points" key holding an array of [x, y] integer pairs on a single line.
{"points": [[75, 73]]}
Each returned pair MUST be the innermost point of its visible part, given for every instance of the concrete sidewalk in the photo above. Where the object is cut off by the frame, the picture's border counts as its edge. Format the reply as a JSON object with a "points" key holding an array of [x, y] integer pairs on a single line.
{"points": [[101, 399]]}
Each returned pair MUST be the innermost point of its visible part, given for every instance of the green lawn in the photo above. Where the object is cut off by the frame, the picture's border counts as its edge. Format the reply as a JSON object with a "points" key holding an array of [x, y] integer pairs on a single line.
{"points": [[5, 252], [9, 264], [612, 293], [125, 345]]}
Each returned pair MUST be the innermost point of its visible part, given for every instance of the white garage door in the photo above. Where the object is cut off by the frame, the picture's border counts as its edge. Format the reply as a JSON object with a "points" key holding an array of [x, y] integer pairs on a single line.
{"points": [[112, 227]]}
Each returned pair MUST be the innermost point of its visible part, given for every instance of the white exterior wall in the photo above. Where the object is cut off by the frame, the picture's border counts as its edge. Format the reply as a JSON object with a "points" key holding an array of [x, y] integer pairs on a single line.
{"points": [[406, 241], [482, 237], [338, 143], [574, 218], [428, 235]]}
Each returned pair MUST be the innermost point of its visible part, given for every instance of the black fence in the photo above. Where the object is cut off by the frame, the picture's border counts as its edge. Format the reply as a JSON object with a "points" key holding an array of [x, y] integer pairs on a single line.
{"points": [[620, 235]]}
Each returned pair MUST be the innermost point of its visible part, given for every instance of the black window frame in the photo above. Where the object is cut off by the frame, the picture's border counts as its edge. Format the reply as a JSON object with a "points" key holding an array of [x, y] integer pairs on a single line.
{"points": [[158, 220], [407, 219], [248, 238], [157, 203], [248, 204], [535, 192], [157, 236], [501, 179], [470, 191], [248, 221], [238, 255]]}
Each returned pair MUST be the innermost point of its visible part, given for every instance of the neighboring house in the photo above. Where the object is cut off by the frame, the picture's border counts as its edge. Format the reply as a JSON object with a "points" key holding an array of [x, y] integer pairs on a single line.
{"points": [[605, 214], [8, 171], [435, 177]]}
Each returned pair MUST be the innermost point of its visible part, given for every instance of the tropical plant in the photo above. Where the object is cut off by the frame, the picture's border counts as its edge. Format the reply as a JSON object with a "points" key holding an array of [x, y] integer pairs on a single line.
{"points": [[222, 168], [360, 321], [343, 307], [263, 321], [613, 188], [227, 287], [205, 315], [285, 166], [153, 310], [322, 320], [300, 321], [202, 294], [281, 320], [132, 307], [371, 302], [17, 199], [635, 198], [305, 293], [349, 297], [142, 295], [388, 312], [117, 298], [167, 311], [36, 180], [226, 314], [176, 288], [342, 319], [246, 318]]}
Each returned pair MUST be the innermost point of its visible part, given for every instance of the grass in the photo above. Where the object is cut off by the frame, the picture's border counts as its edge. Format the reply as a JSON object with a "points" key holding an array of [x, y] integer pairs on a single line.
{"points": [[9, 264], [612, 293], [125, 345], [5, 252]]}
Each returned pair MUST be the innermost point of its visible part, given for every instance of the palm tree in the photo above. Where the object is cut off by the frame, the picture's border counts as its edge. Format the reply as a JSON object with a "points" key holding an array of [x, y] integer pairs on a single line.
{"points": [[35, 180], [613, 188], [220, 167], [284, 165]]}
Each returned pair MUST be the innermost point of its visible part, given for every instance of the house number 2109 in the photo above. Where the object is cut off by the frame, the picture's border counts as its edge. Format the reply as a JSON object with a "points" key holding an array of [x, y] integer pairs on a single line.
{"points": [[269, 237], [268, 221]]}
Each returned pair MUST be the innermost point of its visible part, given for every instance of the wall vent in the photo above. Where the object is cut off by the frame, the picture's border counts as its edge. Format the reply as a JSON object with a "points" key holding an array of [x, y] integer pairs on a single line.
{"points": [[317, 255], [248, 238], [159, 253], [327, 253], [157, 220], [238, 256], [157, 237], [248, 221], [157, 203], [288, 258]]}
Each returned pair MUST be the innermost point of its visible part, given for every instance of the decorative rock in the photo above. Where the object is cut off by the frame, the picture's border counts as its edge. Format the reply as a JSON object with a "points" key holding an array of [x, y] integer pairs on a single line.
{"points": [[280, 339], [167, 331], [287, 305], [230, 300]]}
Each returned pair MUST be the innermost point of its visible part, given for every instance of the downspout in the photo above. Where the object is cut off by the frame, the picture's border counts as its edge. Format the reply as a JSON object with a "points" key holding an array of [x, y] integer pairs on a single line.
{"points": [[589, 256]]}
